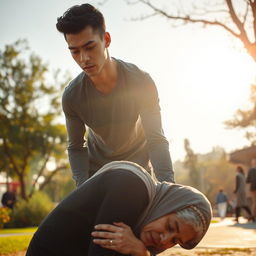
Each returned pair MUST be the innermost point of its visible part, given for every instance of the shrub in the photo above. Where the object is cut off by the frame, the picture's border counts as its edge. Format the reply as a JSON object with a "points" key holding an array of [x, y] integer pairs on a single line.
{"points": [[31, 213], [4, 216]]}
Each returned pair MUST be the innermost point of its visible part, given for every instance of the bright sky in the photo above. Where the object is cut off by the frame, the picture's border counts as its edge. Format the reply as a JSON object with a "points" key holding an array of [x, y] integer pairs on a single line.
{"points": [[201, 77]]}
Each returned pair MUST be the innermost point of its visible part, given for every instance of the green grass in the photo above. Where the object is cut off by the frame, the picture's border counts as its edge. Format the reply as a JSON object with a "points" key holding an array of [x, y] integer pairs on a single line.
{"points": [[12, 244], [18, 230], [224, 251]]}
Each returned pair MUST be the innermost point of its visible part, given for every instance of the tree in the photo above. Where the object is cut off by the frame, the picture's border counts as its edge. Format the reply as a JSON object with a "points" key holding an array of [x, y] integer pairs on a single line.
{"points": [[246, 118], [215, 172], [191, 163], [236, 17], [29, 107]]}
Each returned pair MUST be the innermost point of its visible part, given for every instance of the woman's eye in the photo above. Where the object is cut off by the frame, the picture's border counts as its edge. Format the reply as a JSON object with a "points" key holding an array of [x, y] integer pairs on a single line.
{"points": [[170, 228]]}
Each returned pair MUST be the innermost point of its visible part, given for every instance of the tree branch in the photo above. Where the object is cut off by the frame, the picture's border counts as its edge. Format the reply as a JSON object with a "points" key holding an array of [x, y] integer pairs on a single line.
{"points": [[253, 7], [6, 149], [187, 18], [243, 36], [38, 175], [245, 14], [49, 177]]}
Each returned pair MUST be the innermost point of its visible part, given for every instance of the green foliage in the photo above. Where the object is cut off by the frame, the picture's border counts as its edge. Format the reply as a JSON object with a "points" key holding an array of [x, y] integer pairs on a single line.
{"points": [[60, 186], [18, 230], [4, 216], [31, 213], [191, 163], [214, 172], [246, 118], [13, 244], [29, 110]]}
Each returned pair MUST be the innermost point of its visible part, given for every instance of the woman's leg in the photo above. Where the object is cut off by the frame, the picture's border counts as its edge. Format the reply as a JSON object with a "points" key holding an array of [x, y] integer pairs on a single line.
{"points": [[247, 209], [237, 213]]}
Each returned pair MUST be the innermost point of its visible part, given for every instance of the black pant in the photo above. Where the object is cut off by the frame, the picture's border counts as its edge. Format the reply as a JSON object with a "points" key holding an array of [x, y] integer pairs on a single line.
{"points": [[247, 209]]}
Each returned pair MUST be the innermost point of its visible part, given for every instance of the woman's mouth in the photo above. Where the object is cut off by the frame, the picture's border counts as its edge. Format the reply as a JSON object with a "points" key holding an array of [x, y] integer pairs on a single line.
{"points": [[151, 239]]}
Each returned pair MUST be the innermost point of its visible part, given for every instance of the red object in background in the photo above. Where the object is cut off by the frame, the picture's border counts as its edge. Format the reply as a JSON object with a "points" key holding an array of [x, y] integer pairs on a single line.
{"points": [[13, 185]]}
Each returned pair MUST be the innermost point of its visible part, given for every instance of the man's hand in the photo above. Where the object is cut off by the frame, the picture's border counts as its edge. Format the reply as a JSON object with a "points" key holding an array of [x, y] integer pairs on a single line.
{"points": [[120, 238]]}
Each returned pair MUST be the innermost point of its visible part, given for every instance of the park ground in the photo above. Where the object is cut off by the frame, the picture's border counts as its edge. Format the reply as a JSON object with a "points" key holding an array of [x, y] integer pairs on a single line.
{"points": [[224, 238]]}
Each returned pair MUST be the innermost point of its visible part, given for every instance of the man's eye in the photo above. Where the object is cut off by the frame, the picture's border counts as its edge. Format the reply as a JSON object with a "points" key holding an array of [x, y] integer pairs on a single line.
{"points": [[90, 47], [74, 52]]}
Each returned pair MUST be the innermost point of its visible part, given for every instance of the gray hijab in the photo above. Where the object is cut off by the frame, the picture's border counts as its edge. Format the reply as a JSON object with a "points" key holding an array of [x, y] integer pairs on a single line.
{"points": [[165, 198]]}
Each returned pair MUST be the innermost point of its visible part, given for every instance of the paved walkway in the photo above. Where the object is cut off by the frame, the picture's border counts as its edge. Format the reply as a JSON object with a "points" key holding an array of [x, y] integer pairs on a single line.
{"points": [[224, 238], [230, 234]]}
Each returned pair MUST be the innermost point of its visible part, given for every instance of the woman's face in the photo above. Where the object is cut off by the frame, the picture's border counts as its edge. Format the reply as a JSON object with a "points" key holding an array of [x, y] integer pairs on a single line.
{"points": [[166, 232]]}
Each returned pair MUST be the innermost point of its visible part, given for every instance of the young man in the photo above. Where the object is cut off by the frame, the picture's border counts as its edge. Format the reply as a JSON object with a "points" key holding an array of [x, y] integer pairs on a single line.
{"points": [[115, 100], [251, 179]]}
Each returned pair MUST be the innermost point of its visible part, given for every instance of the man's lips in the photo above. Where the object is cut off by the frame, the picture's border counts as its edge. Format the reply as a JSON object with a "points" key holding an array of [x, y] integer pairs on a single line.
{"points": [[89, 67]]}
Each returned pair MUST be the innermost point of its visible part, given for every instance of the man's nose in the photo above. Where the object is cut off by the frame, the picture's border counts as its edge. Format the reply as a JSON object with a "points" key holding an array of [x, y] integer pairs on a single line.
{"points": [[84, 57]]}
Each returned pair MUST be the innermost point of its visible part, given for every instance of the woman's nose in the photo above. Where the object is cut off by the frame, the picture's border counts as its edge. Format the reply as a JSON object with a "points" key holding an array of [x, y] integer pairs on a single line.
{"points": [[167, 238]]}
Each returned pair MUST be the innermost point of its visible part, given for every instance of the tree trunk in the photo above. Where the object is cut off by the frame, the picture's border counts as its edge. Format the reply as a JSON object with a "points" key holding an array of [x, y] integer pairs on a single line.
{"points": [[23, 192], [252, 51]]}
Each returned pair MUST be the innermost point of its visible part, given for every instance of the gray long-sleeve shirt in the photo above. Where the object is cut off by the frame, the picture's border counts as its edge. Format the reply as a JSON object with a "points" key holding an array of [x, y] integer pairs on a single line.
{"points": [[122, 125]]}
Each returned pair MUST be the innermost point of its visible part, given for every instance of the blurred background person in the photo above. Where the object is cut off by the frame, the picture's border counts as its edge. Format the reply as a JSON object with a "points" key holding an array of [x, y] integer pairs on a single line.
{"points": [[241, 201], [251, 179], [222, 203], [9, 198]]}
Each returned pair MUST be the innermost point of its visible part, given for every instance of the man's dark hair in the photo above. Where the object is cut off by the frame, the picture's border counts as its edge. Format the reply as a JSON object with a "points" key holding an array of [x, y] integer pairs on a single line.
{"points": [[78, 17]]}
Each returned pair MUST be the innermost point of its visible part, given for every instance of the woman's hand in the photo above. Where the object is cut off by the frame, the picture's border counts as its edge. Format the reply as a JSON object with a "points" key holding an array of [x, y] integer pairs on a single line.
{"points": [[120, 238]]}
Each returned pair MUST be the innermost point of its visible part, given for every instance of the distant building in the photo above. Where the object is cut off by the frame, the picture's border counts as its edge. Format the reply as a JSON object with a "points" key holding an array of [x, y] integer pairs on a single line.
{"points": [[243, 156]]}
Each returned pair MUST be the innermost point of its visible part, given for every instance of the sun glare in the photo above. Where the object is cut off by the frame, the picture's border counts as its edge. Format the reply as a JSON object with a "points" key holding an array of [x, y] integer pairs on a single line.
{"points": [[212, 81]]}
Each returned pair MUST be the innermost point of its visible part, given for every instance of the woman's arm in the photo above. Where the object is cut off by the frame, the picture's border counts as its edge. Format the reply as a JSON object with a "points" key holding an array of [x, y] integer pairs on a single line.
{"points": [[237, 184]]}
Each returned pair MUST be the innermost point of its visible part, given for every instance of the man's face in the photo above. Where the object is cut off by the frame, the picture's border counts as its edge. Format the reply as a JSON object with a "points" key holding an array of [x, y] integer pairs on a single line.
{"points": [[166, 232], [89, 50]]}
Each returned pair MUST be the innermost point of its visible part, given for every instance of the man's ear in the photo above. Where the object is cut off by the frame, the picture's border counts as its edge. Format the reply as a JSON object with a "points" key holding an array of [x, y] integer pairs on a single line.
{"points": [[107, 39]]}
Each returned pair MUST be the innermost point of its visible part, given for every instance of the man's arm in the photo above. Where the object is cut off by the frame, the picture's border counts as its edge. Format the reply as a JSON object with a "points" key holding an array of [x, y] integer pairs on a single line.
{"points": [[158, 146], [77, 152]]}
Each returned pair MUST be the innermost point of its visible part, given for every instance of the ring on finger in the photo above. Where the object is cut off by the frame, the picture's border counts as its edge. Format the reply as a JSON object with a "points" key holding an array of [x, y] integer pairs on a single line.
{"points": [[111, 242]]}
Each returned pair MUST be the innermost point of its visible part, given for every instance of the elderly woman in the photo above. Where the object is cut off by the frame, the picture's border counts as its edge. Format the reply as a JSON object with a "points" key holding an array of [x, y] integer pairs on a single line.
{"points": [[121, 210]]}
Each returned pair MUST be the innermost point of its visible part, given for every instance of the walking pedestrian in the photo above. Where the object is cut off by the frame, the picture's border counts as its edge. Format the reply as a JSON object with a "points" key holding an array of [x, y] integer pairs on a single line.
{"points": [[251, 179], [222, 203], [241, 201]]}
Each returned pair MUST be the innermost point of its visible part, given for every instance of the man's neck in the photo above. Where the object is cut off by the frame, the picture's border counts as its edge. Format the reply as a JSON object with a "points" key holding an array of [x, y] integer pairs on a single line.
{"points": [[105, 82]]}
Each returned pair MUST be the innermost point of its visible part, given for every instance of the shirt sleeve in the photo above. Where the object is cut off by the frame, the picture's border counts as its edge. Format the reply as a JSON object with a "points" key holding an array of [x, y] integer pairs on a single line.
{"points": [[157, 143], [119, 204], [77, 152]]}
